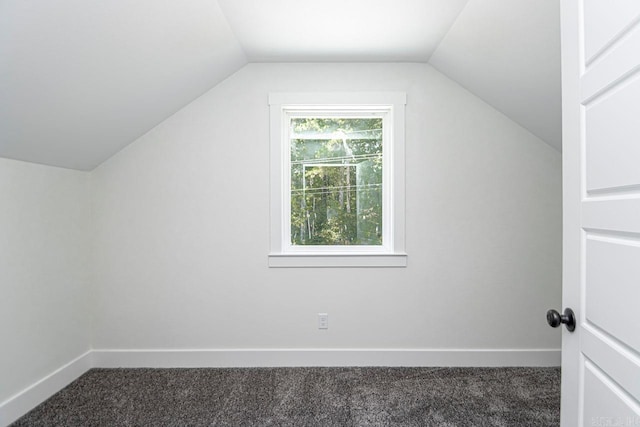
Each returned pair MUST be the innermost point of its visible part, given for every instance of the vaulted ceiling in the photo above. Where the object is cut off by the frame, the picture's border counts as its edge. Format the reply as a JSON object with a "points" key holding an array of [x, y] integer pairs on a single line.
{"points": [[80, 80], [507, 52]]}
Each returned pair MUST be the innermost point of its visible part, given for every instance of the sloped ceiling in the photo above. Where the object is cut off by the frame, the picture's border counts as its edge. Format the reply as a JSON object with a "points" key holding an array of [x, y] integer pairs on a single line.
{"points": [[507, 52], [80, 80]]}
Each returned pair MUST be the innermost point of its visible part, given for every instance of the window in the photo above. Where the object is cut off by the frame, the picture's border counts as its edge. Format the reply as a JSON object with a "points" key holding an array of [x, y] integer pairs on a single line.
{"points": [[337, 180]]}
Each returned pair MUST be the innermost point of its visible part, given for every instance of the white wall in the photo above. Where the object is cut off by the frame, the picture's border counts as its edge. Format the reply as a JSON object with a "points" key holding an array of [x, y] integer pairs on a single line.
{"points": [[44, 310], [182, 229]]}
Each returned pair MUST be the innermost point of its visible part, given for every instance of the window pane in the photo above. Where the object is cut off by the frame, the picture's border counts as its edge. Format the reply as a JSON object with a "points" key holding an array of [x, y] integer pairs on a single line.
{"points": [[336, 181]]}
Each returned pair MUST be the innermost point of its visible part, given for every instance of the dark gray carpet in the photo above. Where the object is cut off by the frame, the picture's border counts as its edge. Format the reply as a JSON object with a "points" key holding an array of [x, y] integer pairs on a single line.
{"points": [[306, 397]]}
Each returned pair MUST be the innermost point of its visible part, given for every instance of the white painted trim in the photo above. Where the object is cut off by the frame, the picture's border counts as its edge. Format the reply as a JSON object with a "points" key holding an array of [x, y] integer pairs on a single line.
{"points": [[333, 260], [390, 106], [24, 401], [226, 358]]}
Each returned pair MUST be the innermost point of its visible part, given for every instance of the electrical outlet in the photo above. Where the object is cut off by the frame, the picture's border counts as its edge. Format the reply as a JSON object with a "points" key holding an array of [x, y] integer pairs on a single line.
{"points": [[323, 321]]}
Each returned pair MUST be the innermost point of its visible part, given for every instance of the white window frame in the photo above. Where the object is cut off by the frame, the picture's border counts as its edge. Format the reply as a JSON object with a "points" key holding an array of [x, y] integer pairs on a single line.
{"points": [[390, 107]]}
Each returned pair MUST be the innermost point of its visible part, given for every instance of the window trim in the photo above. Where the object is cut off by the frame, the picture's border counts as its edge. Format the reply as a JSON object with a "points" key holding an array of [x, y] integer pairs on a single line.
{"points": [[283, 106]]}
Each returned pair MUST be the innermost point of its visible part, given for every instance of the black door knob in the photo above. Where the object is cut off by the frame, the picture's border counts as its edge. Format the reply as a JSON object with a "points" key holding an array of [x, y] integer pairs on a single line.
{"points": [[554, 319]]}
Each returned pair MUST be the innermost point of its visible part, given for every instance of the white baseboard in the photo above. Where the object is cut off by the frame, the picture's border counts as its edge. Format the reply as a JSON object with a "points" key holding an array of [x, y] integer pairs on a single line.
{"points": [[321, 357], [21, 403], [24, 401]]}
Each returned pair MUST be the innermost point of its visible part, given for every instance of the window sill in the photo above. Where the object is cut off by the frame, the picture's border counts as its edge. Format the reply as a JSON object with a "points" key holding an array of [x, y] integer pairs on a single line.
{"points": [[337, 260]]}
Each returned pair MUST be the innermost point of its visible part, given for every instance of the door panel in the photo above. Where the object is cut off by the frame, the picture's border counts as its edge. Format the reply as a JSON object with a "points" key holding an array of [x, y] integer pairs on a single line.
{"points": [[618, 63], [612, 291], [604, 24], [611, 123], [605, 403], [612, 357]]}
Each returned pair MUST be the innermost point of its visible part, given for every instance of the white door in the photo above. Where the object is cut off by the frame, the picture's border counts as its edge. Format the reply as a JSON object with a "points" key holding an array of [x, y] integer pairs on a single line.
{"points": [[601, 173]]}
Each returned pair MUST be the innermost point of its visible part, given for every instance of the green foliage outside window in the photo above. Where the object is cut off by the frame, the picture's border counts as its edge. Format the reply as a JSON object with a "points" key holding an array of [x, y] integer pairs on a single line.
{"points": [[336, 181]]}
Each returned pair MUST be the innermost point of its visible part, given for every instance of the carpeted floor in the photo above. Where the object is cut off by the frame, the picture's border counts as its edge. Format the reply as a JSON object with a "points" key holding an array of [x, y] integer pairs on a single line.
{"points": [[306, 397]]}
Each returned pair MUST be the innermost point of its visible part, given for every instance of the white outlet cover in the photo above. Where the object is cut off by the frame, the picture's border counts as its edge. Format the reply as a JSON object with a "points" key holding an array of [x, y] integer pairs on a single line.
{"points": [[323, 321]]}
